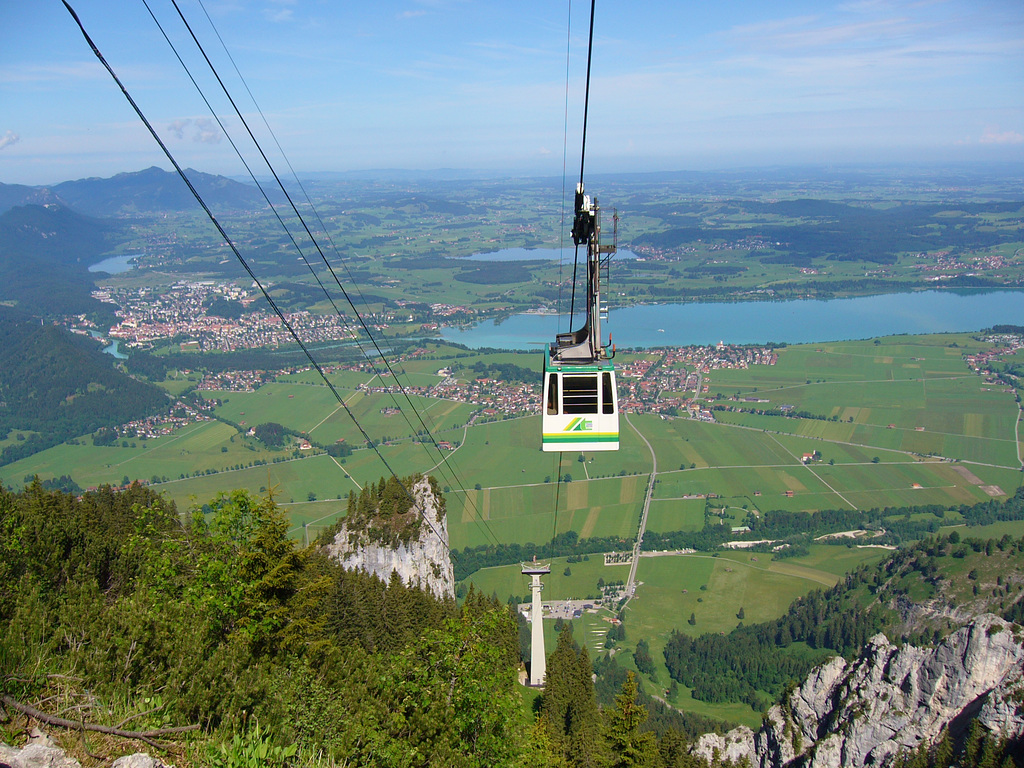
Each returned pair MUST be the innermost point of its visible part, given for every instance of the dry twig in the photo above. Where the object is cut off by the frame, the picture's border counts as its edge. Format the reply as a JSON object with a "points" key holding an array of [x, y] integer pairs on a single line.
{"points": [[146, 736]]}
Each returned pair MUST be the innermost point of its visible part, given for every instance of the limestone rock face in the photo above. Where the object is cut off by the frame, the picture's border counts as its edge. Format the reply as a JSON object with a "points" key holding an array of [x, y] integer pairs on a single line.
{"points": [[424, 560], [733, 746], [852, 714]]}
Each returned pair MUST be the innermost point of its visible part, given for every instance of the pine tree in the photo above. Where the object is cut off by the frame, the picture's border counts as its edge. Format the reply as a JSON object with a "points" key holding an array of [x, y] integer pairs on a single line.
{"points": [[944, 751], [990, 752], [628, 745], [585, 730], [397, 618], [975, 737], [918, 758], [557, 688], [569, 706]]}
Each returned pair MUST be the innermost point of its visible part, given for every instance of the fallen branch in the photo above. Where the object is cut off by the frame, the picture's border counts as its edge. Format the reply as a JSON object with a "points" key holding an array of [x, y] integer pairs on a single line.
{"points": [[61, 722]]}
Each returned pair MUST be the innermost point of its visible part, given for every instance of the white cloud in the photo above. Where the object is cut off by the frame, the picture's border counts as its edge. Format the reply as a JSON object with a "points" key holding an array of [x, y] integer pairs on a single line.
{"points": [[279, 16], [177, 127], [995, 136], [279, 11], [207, 132], [9, 138]]}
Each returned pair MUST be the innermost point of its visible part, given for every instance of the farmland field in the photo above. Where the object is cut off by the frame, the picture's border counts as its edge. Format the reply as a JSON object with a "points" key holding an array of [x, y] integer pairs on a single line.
{"points": [[892, 416]]}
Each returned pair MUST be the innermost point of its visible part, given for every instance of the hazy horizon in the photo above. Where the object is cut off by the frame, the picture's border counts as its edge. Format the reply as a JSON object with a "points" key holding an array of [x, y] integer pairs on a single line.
{"points": [[793, 172], [482, 87]]}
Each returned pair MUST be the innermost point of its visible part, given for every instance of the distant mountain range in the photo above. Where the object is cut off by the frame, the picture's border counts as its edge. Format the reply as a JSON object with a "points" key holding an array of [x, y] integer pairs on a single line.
{"points": [[12, 195], [150, 191], [50, 235]]}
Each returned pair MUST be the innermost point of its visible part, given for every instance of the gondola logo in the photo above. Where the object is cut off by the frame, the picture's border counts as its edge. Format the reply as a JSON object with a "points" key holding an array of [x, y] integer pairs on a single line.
{"points": [[579, 424]]}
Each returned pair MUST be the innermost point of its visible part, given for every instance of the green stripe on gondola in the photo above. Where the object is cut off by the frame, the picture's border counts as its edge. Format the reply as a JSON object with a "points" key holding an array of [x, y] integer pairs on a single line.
{"points": [[584, 437]]}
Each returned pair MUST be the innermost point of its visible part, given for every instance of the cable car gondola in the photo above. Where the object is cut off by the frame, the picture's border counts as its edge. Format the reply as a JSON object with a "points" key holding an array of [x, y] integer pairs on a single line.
{"points": [[581, 409]]}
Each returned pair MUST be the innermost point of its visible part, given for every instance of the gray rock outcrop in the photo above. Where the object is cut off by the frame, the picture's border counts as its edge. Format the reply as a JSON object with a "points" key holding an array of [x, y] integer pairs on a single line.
{"points": [[37, 755], [733, 746], [890, 699], [139, 760], [423, 560]]}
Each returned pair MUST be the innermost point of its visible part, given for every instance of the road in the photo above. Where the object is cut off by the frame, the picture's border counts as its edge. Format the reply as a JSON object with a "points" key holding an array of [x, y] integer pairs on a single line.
{"points": [[631, 581]]}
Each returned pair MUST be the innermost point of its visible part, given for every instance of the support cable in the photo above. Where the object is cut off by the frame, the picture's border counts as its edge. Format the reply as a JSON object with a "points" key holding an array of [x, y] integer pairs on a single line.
{"points": [[565, 155], [241, 157], [241, 259], [583, 149], [558, 493], [583, 157], [586, 97], [557, 459], [444, 458]]}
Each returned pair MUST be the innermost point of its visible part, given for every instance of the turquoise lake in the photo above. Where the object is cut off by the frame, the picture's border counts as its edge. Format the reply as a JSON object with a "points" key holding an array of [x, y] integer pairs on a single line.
{"points": [[114, 265], [757, 322]]}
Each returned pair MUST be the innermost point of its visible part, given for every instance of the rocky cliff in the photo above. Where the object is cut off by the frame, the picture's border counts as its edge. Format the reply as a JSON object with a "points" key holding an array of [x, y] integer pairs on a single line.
{"points": [[890, 699], [398, 534]]}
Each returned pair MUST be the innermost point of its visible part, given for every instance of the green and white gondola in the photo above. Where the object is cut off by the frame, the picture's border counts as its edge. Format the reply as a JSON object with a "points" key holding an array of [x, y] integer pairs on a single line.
{"points": [[581, 411]]}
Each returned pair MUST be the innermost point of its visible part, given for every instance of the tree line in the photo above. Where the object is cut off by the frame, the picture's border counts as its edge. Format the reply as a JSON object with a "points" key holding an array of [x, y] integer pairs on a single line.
{"points": [[895, 525]]}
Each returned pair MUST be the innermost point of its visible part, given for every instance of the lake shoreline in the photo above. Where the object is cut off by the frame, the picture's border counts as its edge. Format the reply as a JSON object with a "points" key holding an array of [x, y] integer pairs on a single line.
{"points": [[765, 320]]}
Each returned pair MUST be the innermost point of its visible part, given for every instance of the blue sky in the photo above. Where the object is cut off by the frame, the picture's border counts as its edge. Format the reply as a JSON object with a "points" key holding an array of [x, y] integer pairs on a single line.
{"points": [[426, 84]]}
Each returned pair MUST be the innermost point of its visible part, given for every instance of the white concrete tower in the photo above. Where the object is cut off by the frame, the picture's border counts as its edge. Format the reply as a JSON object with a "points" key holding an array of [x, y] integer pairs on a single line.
{"points": [[538, 659]]}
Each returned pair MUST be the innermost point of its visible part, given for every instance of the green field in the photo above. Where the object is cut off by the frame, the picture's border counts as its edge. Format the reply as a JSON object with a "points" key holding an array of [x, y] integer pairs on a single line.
{"points": [[907, 402], [535, 513], [909, 394], [675, 514]]}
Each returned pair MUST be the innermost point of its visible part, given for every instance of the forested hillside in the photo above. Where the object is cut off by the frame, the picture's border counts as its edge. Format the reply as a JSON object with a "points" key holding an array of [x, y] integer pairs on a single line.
{"points": [[218, 638], [226, 623], [44, 255], [55, 386], [12, 195]]}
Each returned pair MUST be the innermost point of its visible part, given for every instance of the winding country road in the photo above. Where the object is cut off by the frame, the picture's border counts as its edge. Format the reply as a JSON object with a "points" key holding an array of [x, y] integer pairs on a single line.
{"points": [[631, 582]]}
